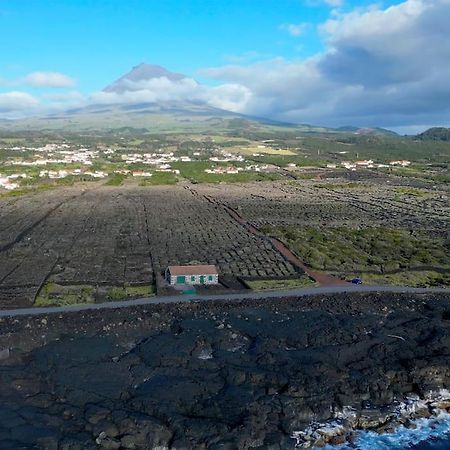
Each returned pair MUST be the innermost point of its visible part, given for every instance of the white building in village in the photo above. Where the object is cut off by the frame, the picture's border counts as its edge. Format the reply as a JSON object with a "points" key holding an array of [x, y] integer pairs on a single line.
{"points": [[192, 275]]}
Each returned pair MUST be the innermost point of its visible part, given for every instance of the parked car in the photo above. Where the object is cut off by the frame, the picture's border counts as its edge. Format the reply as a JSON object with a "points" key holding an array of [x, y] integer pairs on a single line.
{"points": [[356, 281]]}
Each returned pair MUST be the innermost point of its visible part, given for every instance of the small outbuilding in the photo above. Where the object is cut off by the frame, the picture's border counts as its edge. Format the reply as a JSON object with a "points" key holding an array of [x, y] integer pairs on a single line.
{"points": [[192, 275]]}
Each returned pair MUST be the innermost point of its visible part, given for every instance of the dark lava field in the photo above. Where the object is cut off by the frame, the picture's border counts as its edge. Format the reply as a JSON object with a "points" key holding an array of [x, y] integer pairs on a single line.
{"points": [[222, 375]]}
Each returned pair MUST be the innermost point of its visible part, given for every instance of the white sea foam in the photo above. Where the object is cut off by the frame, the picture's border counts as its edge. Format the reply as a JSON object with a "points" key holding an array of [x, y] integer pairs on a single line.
{"points": [[428, 417], [433, 428]]}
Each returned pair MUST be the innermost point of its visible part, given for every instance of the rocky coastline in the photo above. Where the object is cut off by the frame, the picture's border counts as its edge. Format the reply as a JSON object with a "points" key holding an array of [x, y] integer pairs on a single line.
{"points": [[348, 422], [256, 374]]}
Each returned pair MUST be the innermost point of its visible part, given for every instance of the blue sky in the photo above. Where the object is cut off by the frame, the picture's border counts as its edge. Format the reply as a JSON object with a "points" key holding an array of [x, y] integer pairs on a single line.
{"points": [[95, 41], [331, 62]]}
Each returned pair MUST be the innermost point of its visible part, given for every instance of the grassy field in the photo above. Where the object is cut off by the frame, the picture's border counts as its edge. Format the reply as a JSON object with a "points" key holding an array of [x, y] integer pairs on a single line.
{"points": [[118, 293], [412, 191], [52, 294], [264, 150], [420, 278], [195, 172], [115, 180], [289, 283], [386, 252], [158, 179], [339, 186], [284, 160], [47, 184]]}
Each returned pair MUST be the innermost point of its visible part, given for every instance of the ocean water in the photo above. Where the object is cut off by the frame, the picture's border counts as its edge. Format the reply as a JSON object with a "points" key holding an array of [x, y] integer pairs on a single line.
{"points": [[430, 434]]}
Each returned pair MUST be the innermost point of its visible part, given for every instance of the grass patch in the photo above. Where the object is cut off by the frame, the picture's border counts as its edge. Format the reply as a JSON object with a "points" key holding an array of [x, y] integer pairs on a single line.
{"points": [[116, 180], [53, 294], [346, 251], [412, 191], [289, 283], [284, 160], [195, 172], [47, 185], [117, 293], [335, 186], [136, 142], [264, 150], [423, 173], [158, 179], [140, 291], [411, 278]]}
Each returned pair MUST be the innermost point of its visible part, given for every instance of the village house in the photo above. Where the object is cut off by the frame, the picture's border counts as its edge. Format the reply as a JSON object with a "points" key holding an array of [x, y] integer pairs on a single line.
{"points": [[141, 173], [365, 163], [5, 183], [97, 174], [192, 275], [402, 163], [348, 165]]}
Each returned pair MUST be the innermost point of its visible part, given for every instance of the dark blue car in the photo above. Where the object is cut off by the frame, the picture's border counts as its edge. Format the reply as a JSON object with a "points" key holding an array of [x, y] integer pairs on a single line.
{"points": [[356, 281]]}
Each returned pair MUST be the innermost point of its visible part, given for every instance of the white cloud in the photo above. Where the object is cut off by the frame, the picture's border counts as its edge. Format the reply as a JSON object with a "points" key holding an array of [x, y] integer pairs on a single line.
{"points": [[386, 67], [231, 97], [16, 101], [380, 67], [295, 29], [152, 90], [48, 79], [226, 96]]}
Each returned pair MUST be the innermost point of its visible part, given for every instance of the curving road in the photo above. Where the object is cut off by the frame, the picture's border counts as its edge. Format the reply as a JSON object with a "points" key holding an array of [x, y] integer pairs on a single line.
{"points": [[297, 292]]}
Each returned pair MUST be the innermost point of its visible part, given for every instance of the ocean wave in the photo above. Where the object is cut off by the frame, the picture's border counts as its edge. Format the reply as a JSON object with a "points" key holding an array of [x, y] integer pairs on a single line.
{"points": [[428, 434], [402, 425]]}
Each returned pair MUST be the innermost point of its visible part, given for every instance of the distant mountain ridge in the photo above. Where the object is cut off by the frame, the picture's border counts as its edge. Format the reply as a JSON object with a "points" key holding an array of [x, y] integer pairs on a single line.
{"points": [[435, 134], [367, 131], [139, 73], [122, 110]]}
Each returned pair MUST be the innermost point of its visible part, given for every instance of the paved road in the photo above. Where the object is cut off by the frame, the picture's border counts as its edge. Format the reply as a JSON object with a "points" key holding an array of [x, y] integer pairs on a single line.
{"points": [[298, 292]]}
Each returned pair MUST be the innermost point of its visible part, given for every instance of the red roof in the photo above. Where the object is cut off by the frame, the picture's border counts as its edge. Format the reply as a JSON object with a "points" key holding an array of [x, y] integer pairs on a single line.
{"points": [[193, 270]]}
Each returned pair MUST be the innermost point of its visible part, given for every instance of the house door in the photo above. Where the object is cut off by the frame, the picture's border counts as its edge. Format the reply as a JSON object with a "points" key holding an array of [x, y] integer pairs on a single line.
{"points": [[202, 279]]}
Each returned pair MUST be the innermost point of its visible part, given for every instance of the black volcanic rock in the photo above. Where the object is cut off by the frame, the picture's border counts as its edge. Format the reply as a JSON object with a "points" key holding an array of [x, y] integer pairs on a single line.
{"points": [[142, 72], [215, 375]]}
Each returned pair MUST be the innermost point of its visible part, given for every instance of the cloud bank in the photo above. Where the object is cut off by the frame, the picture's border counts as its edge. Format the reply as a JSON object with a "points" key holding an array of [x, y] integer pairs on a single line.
{"points": [[49, 79], [17, 101], [380, 67]]}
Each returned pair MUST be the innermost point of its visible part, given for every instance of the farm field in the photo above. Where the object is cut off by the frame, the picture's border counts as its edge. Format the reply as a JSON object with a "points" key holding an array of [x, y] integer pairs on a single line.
{"points": [[75, 245], [94, 242], [387, 229]]}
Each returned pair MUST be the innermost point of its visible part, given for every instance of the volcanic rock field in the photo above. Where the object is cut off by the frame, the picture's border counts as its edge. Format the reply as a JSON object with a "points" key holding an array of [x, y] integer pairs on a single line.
{"points": [[228, 375]]}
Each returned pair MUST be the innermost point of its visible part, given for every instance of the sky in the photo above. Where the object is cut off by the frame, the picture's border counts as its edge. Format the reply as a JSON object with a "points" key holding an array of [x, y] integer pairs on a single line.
{"points": [[325, 62]]}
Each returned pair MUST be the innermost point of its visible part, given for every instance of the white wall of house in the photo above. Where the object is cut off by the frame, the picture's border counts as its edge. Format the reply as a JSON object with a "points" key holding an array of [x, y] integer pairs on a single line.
{"points": [[193, 279]]}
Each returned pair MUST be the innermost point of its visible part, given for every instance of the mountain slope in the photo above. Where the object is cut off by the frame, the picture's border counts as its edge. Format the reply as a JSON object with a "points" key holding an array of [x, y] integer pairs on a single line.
{"points": [[435, 134], [367, 131], [151, 97], [139, 74]]}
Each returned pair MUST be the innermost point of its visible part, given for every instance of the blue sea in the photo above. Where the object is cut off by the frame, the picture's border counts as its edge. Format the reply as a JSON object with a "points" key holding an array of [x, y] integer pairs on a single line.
{"points": [[430, 434]]}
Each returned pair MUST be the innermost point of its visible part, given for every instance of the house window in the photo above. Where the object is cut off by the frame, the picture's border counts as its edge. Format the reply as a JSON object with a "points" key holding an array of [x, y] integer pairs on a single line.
{"points": [[210, 278], [193, 278]]}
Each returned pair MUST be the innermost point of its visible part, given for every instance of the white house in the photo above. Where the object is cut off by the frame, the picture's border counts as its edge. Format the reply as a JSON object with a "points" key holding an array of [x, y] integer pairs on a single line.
{"points": [[403, 163], [192, 275]]}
